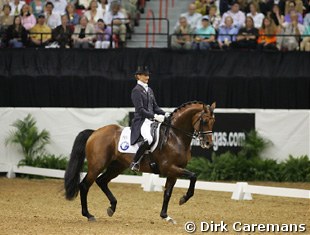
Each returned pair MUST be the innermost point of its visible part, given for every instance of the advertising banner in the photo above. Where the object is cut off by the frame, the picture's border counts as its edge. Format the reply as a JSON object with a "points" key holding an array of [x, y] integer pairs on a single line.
{"points": [[229, 132]]}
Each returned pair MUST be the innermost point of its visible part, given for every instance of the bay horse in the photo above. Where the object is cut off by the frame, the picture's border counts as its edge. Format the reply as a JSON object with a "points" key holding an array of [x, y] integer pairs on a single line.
{"points": [[190, 120]]}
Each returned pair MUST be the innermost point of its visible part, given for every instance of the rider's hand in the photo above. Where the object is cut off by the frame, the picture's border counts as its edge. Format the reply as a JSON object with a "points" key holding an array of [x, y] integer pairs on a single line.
{"points": [[159, 118]]}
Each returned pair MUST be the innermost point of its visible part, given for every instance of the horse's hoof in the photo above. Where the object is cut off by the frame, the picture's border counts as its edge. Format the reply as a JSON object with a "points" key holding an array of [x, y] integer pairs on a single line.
{"points": [[110, 212], [182, 201], [170, 220], [92, 219]]}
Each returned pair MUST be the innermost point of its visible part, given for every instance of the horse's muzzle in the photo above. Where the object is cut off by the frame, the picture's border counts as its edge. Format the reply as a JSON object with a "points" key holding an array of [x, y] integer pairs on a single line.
{"points": [[206, 145]]}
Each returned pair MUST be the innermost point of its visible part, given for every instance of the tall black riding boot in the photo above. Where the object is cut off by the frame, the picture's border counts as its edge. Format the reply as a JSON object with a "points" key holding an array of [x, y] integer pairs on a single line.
{"points": [[135, 165]]}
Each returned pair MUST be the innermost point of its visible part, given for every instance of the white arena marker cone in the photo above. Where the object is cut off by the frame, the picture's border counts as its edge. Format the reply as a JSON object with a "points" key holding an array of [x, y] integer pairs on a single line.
{"points": [[239, 193], [149, 183]]}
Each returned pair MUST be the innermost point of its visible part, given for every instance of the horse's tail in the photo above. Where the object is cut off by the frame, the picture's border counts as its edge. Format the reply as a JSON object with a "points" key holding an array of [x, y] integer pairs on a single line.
{"points": [[77, 157]]}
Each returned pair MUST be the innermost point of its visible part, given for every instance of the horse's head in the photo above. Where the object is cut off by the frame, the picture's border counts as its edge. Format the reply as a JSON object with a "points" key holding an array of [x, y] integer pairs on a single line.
{"points": [[203, 123]]}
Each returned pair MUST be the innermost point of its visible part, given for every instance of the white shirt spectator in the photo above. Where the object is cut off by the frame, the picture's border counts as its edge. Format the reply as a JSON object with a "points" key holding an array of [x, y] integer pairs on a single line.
{"points": [[108, 17], [103, 9], [15, 9], [53, 20], [193, 20], [59, 6], [257, 18], [239, 18], [290, 30], [98, 15]]}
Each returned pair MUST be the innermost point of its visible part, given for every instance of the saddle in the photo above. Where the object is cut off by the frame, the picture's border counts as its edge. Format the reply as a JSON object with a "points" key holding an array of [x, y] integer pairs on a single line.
{"points": [[124, 145]]}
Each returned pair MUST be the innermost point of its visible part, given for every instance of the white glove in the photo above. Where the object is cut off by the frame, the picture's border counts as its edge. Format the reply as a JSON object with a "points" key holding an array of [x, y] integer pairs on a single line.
{"points": [[159, 118], [167, 114]]}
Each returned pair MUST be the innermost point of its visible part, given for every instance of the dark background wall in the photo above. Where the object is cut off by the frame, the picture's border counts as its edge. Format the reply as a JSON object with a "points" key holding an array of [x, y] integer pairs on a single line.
{"points": [[104, 78]]}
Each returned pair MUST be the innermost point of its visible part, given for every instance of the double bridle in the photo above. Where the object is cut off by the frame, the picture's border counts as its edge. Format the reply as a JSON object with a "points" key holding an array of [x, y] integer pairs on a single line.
{"points": [[198, 133]]}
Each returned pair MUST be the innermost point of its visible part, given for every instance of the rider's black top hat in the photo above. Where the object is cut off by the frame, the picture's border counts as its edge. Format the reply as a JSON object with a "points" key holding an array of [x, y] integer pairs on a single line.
{"points": [[142, 70]]}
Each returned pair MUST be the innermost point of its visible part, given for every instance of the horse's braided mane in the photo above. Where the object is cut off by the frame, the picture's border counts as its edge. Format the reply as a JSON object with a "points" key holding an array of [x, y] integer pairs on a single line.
{"points": [[185, 104]]}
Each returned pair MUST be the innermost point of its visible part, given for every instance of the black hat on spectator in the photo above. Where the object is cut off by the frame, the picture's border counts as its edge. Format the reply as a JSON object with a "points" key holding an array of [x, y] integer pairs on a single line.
{"points": [[142, 70], [41, 15]]}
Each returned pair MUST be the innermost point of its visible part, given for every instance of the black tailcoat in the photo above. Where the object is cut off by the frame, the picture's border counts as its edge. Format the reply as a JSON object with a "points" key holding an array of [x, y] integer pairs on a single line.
{"points": [[145, 107]]}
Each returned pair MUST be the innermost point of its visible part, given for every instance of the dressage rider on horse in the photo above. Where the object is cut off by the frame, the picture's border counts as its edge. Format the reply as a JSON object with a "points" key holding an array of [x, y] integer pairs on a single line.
{"points": [[146, 110]]}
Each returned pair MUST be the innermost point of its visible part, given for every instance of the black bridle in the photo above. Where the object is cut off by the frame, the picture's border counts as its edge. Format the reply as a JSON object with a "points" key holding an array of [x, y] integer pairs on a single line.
{"points": [[200, 134], [196, 134]]}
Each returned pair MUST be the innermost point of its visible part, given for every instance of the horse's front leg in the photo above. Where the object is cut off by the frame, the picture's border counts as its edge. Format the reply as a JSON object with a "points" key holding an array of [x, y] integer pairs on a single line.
{"points": [[170, 182], [190, 192]]}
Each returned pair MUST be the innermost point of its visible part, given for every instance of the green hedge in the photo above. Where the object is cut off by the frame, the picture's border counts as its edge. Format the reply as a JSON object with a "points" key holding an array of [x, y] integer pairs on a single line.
{"points": [[230, 167], [247, 165]]}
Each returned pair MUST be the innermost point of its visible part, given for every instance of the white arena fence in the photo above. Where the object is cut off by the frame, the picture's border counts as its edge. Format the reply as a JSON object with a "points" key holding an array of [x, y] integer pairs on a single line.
{"points": [[152, 182]]}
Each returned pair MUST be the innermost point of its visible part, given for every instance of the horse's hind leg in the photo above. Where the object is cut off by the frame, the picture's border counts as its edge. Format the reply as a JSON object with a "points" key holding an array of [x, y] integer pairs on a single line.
{"points": [[84, 188], [113, 170]]}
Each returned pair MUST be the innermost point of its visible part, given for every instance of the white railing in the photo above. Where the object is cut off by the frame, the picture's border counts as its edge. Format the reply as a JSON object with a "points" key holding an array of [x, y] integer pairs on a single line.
{"points": [[152, 182]]}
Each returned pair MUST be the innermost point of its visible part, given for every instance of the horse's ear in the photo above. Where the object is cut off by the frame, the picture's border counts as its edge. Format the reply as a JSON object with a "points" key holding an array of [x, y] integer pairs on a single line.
{"points": [[213, 105]]}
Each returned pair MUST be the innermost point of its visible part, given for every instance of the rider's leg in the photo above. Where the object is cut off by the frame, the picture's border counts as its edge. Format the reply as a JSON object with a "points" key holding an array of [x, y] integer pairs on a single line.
{"points": [[148, 139]]}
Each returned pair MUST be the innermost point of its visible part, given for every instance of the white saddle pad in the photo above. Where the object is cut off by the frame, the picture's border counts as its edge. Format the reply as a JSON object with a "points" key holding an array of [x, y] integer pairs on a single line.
{"points": [[124, 145]]}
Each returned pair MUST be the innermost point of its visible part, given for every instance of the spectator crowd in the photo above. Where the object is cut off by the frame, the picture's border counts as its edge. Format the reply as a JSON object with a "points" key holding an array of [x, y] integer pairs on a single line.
{"points": [[208, 24], [244, 24], [68, 23]]}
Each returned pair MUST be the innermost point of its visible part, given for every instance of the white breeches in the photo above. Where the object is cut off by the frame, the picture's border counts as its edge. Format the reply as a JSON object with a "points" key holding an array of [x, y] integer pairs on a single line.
{"points": [[146, 131], [103, 44]]}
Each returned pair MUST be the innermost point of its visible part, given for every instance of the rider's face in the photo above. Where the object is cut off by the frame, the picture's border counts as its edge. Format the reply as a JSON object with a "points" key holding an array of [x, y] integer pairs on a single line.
{"points": [[143, 78]]}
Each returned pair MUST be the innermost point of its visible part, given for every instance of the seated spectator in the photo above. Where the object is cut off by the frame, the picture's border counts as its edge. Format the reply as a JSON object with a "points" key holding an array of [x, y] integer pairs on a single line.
{"points": [[130, 6], [73, 17], [292, 9], [242, 5], [237, 16], [62, 34], [267, 35], [291, 43], [193, 18], [16, 34], [305, 44], [204, 36], [104, 6], [28, 19], [214, 19], [104, 34], [202, 6], [116, 17], [256, 16], [40, 34], [298, 6], [247, 36], [93, 15], [227, 33], [84, 34], [52, 19], [37, 7], [276, 16], [16, 6], [59, 6], [6, 19], [183, 38]]}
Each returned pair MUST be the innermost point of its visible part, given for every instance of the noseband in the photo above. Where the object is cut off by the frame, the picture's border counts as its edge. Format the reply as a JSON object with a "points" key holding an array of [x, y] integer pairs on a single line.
{"points": [[199, 134]]}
